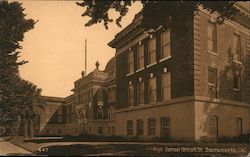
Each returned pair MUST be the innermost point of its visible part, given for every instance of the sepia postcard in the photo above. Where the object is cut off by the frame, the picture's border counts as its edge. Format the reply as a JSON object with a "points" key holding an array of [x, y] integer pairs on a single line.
{"points": [[124, 78]]}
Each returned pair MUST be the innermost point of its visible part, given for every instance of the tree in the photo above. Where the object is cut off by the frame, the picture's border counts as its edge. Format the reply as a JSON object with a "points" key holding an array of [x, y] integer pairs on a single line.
{"points": [[154, 12], [17, 97]]}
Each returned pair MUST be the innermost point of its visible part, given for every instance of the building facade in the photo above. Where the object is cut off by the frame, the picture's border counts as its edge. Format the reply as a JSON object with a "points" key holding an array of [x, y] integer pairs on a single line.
{"points": [[185, 80]]}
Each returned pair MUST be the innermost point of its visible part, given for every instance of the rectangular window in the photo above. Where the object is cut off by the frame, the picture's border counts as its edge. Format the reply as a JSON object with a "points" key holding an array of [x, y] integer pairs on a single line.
{"points": [[151, 126], [140, 127], [236, 82], [100, 95], [140, 92], [152, 90], [152, 50], [236, 47], [130, 128], [131, 95], [166, 86], [89, 130], [109, 132], [165, 127], [99, 113], [212, 82], [213, 121], [113, 130], [59, 110], [238, 126], [211, 37], [59, 118], [165, 44], [140, 56], [130, 62], [100, 130]]}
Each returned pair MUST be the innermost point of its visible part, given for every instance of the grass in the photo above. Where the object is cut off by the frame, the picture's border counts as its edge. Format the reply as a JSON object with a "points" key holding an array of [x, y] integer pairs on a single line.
{"points": [[69, 147]]}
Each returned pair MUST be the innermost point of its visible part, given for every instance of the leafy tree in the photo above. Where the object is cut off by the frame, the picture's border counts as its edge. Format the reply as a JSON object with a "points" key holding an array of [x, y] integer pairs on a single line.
{"points": [[154, 12], [18, 98]]}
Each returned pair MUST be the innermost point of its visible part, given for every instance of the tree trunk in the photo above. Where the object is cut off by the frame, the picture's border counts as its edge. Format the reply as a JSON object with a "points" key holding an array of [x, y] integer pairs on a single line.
{"points": [[25, 127], [31, 129]]}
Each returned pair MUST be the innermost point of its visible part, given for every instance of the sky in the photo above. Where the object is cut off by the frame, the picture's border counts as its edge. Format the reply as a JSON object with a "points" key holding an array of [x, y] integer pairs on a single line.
{"points": [[55, 47]]}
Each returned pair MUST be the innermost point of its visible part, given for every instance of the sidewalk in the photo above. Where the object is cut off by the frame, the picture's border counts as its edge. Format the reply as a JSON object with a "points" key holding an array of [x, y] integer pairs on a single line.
{"points": [[7, 148]]}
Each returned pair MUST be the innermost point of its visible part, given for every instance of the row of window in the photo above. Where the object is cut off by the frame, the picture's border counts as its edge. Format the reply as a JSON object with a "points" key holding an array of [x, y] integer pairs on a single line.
{"points": [[212, 41], [214, 129], [137, 54], [138, 89], [164, 127], [111, 130], [212, 82]]}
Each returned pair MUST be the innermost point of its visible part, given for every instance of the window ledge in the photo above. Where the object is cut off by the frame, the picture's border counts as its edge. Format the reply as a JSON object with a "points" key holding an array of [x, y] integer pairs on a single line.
{"points": [[237, 90], [212, 52], [130, 74], [164, 59], [140, 69], [236, 61], [211, 84], [141, 104], [152, 64]]}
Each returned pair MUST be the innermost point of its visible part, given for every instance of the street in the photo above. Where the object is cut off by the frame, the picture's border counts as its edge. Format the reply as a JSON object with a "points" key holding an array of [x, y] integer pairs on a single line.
{"points": [[7, 148]]}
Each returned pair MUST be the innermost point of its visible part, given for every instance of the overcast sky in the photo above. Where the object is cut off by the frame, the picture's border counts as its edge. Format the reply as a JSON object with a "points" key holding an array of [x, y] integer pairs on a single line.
{"points": [[55, 47]]}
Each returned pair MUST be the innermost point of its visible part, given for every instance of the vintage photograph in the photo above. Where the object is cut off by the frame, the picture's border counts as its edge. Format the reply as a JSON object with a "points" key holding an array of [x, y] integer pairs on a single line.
{"points": [[124, 78]]}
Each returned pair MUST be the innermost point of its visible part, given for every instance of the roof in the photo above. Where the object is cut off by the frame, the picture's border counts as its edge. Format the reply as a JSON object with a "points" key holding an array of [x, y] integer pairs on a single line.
{"points": [[53, 99]]}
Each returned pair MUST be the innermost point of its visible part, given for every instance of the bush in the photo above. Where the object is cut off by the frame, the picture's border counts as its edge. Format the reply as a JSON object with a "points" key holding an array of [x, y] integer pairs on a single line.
{"points": [[245, 138]]}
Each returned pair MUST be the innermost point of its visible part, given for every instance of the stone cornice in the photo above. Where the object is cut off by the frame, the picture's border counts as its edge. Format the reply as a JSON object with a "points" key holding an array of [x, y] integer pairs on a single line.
{"points": [[184, 100]]}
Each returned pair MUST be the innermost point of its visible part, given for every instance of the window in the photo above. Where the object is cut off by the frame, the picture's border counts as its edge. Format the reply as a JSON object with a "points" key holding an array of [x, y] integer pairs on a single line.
{"points": [[152, 50], [59, 131], [100, 113], [130, 62], [236, 82], [89, 130], [130, 95], [59, 110], [100, 95], [111, 94], [140, 92], [211, 37], [166, 86], [165, 127], [59, 118], [151, 126], [165, 44], [130, 128], [152, 90], [212, 82], [213, 121], [238, 126], [236, 47], [113, 130], [100, 130], [140, 56], [140, 127]]}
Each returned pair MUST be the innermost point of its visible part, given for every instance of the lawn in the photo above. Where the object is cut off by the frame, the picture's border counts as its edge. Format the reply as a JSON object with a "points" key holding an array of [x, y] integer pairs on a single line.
{"points": [[73, 148]]}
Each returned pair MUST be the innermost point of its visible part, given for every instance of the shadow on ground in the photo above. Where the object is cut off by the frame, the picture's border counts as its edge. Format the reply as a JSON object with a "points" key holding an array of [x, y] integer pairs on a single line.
{"points": [[81, 149]]}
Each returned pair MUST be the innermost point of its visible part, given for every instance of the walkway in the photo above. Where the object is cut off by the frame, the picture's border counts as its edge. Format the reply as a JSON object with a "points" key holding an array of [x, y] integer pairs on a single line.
{"points": [[7, 148]]}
